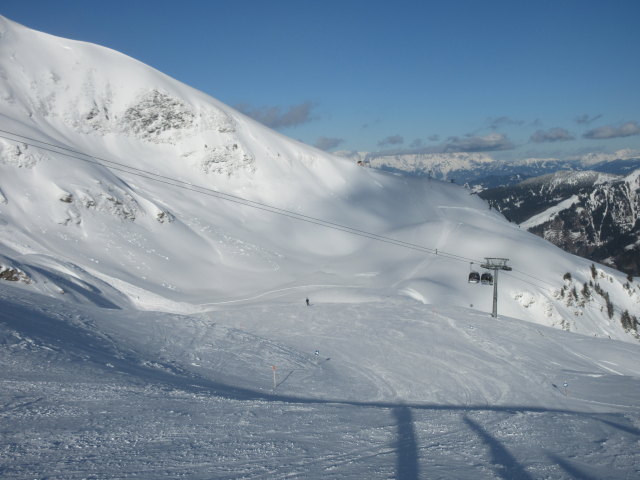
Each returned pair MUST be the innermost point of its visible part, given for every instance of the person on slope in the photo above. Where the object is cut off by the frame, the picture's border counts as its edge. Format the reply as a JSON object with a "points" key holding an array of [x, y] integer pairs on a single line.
{"points": [[308, 304]]}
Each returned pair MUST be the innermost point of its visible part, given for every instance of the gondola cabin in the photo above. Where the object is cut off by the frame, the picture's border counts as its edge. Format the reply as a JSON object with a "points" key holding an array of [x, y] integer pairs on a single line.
{"points": [[486, 279]]}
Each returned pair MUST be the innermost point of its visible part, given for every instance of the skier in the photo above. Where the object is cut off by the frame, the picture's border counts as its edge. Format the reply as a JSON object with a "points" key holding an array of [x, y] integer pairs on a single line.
{"points": [[308, 302]]}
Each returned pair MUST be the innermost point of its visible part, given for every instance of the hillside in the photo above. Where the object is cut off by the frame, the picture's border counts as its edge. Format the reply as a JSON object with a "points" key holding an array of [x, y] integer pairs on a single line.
{"points": [[121, 225], [156, 251], [590, 214]]}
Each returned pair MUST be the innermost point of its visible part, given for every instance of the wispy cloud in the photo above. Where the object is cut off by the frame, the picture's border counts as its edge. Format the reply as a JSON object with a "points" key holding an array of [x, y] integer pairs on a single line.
{"points": [[470, 144], [434, 138], [586, 119], [326, 143], [503, 121], [276, 117], [392, 140], [625, 130], [375, 121], [488, 143], [552, 135]]}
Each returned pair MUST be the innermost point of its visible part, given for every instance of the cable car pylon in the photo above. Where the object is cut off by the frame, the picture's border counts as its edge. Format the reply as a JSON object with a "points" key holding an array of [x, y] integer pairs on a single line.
{"points": [[495, 264]]}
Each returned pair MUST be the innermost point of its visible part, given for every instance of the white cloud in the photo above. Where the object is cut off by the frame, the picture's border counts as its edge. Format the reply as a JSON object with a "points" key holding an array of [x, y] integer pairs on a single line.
{"points": [[552, 135], [625, 130], [276, 117], [326, 143]]}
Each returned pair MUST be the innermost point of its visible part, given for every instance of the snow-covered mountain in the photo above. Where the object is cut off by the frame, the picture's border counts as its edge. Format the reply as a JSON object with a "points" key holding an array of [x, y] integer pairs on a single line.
{"points": [[481, 171], [591, 214], [441, 166], [112, 220], [156, 250]]}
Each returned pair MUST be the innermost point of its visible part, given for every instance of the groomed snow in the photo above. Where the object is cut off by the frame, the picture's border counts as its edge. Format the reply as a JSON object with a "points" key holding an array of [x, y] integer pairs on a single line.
{"points": [[398, 389]]}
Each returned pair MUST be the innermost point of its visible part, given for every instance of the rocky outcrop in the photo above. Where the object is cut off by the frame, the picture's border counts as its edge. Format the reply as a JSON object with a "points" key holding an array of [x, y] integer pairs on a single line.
{"points": [[12, 274]]}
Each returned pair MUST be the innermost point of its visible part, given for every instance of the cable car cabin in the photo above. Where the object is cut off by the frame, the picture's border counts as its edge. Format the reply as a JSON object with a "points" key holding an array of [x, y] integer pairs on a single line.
{"points": [[486, 279], [474, 277]]}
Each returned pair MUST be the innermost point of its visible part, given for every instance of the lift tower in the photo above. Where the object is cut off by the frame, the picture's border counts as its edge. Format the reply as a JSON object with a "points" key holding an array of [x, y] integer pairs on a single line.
{"points": [[495, 264]]}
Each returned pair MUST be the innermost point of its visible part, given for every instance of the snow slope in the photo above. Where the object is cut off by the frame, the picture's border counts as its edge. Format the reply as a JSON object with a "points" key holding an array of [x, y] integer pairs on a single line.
{"points": [[549, 213], [143, 308], [397, 390]]}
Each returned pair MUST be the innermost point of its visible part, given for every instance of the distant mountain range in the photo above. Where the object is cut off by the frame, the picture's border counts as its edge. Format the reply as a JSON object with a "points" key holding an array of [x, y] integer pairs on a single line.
{"points": [[480, 171]]}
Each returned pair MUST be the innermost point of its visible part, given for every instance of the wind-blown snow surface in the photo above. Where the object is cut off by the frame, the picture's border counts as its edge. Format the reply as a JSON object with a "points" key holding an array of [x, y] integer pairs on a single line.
{"points": [[142, 320]]}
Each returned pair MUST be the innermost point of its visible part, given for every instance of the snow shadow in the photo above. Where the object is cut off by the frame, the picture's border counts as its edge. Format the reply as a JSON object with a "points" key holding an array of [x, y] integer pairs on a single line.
{"points": [[623, 428], [285, 378], [406, 447], [507, 466], [88, 292], [570, 469]]}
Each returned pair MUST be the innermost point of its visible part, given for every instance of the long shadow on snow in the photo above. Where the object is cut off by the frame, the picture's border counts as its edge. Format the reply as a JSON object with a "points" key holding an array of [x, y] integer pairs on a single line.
{"points": [[98, 348], [406, 446], [572, 470], [91, 293], [500, 456]]}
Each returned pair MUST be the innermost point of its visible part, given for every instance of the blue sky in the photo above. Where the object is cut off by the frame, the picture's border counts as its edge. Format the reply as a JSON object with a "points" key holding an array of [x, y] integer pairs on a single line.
{"points": [[512, 78]]}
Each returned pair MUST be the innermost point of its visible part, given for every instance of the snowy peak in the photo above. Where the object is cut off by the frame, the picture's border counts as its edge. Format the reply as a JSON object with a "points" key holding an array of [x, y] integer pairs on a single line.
{"points": [[78, 89], [564, 178], [101, 102], [441, 166]]}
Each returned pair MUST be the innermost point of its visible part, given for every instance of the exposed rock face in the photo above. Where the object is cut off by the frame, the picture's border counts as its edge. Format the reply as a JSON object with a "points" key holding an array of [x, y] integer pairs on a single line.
{"points": [[156, 113], [12, 274]]}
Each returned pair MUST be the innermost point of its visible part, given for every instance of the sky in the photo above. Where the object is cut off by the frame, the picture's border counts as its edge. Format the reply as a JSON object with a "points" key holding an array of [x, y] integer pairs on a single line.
{"points": [[512, 79]]}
